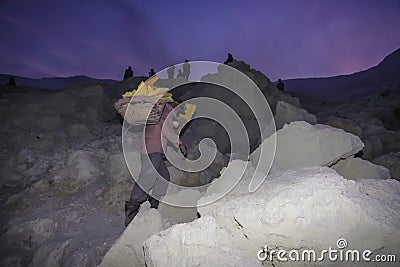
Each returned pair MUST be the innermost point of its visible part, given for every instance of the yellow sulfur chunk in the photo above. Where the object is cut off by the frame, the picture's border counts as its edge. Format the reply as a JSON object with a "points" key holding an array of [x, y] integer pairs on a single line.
{"points": [[129, 94], [142, 90], [147, 89], [152, 81], [163, 90], [152, 91], [167, 97]]}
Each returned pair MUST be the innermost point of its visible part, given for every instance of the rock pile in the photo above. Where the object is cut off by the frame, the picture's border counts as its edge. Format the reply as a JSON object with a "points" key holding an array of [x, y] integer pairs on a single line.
{"points": [[319, 194], [306, 208], [64, 181]]}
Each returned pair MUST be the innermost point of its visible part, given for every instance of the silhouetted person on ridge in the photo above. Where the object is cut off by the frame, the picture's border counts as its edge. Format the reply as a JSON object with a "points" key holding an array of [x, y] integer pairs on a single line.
{"points": [[128, 73], [152, 72], [280, 85], [171, 72], [180, 74], [229, 59], [186, 70]]}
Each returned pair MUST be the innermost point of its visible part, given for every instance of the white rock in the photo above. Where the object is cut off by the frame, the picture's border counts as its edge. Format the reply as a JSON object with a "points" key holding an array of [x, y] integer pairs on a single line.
{"points": [[357, 168], [127, 250], [200, 243], [392, 162], [181, 214], [225, 183], [385, 191], [308, 208], [286, 113], [300, 144], [81, 166]]}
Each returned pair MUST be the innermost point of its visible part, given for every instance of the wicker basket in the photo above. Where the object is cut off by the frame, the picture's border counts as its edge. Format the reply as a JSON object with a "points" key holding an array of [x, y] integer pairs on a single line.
{"points": [[139, 107]]}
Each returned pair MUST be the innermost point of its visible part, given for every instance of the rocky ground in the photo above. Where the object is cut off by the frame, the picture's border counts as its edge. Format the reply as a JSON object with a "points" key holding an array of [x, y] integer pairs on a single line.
{"points": [[64, 179], [58, 169], [64, 182]]}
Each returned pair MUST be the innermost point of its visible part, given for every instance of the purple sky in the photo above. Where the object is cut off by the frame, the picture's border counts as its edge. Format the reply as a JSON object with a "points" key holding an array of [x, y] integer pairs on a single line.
{"points": [[283, 39]]}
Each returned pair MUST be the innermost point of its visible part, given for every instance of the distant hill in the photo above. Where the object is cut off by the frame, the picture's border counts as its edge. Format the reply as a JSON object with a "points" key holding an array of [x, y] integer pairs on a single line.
{"points": [[386, 75], [55, 83]]}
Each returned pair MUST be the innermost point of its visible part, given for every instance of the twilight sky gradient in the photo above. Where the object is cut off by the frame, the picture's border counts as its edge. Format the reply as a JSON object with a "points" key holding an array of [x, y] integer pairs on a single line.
{"points": [[283, 39]]}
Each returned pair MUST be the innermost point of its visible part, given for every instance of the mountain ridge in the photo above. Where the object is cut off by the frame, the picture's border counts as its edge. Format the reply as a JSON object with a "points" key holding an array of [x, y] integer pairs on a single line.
{"points": [[53, 83], [384, 76]]}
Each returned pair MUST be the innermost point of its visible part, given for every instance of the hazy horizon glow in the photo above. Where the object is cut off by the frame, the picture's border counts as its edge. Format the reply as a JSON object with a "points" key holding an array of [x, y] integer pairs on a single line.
{"points": [[283, 39]]}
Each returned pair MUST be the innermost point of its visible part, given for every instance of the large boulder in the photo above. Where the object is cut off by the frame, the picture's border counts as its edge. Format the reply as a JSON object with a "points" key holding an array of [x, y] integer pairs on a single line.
{"points": [[390, 141], [178, 214], [357, 168], [201, 243], [392, 162], [272, 94], [205, 128], [297, 209], [258, 77], [95, 104], [127, 250], [373, 147], [369, 128], [300, 144], [286, 113]]}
